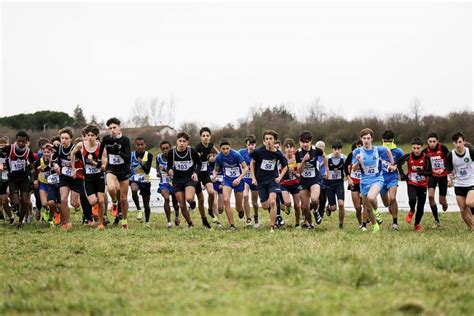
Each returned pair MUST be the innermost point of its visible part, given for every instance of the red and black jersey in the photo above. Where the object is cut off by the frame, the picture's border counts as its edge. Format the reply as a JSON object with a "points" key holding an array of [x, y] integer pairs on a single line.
{"points": [[438, 159], [91, 161]]}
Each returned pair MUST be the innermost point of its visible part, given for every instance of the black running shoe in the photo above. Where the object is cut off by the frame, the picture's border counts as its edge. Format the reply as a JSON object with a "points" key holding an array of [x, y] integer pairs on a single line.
{"points": [[206, 223], [210, 212], [318, 217], [192, 205], [241, 214]]}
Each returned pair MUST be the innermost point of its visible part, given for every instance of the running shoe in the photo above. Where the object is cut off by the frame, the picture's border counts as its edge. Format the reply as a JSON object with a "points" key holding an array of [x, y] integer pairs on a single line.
{"points": [[147, 224], [66, 226], [218, 224], [169, 225], [100, 227], [12, 220], [328, 211], [376, 228], [205, 223], [310, 226], [232, 227], [95, 210], [249, 222], [341, 226], [210, 212], [363, 229], [177, 221], [256, 223], [114, 210], [192, 205], [378, 217], [279, 221], [139, 215], [418, 228], [445, 207], [124, 224], [395, 227], [57, 218], [317, 217], [409, 216], [241, 214]]}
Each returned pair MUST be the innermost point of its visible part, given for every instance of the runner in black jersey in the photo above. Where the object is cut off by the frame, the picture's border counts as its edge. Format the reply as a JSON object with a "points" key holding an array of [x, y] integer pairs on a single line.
{"points": [[4, 202], [115, 151], [94, 182], [183, 166], [19, 165], [204, 149], [335, 182]]}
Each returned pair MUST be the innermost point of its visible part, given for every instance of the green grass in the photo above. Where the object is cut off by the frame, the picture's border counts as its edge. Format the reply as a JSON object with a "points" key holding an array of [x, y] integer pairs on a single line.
{"points": [[249, 271]]}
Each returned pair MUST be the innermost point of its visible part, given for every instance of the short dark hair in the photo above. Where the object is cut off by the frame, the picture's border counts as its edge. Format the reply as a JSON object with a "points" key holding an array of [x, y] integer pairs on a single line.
{"points": [[164, 142], [433, 134], [66, 130], [41, 142], [113, 120], [4, 139], [91, 128], [468, 145], [289, 142], [140, 138], [224, 141], [182, 135], [55, 138], [22, 134], [306, 136], [213, 152], [354, 144], [458, 135], [205, 129], [251, 139], [366, 131], [388, 134], [270, 132], [337, 144], [417, 141]]}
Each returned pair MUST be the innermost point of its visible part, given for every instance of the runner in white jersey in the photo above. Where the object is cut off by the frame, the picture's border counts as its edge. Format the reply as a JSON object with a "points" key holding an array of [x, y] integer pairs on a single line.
{"points": [[461, 168]]}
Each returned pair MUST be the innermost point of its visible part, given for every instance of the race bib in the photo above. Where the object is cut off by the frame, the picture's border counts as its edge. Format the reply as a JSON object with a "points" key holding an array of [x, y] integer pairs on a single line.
{"points": [[164, 177], [219, 178], [437, 162], [463, 171], [248, 175], [139, 177], [53, 179], [183, 165], [355, 174], [335, 174], [385, 165], [371, 170], [18, 165], [268, 165], [67, 171], [65, 162], [308, 172], [92, 169], [232, 172], [4, 175], [204, 166], [415, 177], [115, 159]]}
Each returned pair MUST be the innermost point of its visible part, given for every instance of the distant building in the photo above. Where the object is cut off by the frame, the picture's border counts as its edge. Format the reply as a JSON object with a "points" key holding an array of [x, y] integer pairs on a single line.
{"points": [[164, 130]]}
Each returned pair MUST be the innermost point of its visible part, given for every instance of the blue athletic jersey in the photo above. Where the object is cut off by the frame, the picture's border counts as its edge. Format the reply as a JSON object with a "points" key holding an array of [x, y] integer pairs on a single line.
{"points": [[245, 154], [266, 164], [397, 153], [161, 166], [371, 164], [230, 164]]}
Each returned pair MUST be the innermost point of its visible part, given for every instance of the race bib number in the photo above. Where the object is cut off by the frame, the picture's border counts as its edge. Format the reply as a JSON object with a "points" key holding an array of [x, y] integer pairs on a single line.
{"points": [[115, 160], [371, 170], [183, 165], [139, 177], [53, 179], [355, 174], [415, 177], [65, 162], [4, 175], [463, 172], [437, 162], [308, 172], [385, 165], [67, 171], [18, 165], [268, 165], [92, 169], [233, 172], [335, 174], [165, 178], [204, 166], [248, 175]]}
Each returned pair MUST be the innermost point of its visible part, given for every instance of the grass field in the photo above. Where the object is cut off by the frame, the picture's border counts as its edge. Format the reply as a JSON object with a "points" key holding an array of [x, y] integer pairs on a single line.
{"points": [[249, 271]]}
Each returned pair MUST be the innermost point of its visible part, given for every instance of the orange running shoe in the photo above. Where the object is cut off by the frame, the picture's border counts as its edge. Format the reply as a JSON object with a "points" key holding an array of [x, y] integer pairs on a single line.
{"points": [[66, 226], [410, 216], [114, 210], [95, 210], [101, 227], [57, 218], [418, 228]]}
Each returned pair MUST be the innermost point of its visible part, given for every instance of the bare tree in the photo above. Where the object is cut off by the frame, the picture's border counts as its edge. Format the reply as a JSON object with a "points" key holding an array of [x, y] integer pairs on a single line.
{"points": [[315, 111], [416, 109]]}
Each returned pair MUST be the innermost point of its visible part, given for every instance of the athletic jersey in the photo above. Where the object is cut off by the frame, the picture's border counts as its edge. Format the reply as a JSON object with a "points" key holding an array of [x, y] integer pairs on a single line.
{"points": [[62, 156], [462, 167], [370, 164], [291, 176], [91, 161], [397, 153], [46, 174], [118, 153], [141, 171], [184, 164], [336, 169], [230, 164], [161, 166], [203, 154], [353, 174], [311, 167], [18, 162], [220, 172], [419, 168], [266, 164], [4, 160], [438, 159], [245, 154]]}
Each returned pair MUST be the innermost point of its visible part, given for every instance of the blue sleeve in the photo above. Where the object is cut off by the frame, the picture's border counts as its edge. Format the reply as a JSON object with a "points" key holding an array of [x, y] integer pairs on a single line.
{"points": [[238, 157], [218, 161], [398, 155], [354, 155], [382, 150]]}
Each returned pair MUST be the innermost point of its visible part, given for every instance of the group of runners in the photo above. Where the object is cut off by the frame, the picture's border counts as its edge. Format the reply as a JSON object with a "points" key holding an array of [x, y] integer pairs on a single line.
{"points": [[285, 177]]}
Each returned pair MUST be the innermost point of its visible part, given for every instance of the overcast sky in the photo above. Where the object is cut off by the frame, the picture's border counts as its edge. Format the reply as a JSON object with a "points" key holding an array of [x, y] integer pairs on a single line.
{"points": [[217, 61]]}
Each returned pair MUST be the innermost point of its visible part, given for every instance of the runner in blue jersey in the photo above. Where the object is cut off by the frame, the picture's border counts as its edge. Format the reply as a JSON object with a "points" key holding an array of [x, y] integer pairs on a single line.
{"points": [[265, 173], [234, 169], [389, 190], [367, 159], [250, 190], [165, 188], [323, 182], [217, 183]]}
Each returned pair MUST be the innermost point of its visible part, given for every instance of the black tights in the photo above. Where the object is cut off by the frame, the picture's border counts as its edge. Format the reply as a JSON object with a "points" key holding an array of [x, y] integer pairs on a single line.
{"points": [[417, 194]]}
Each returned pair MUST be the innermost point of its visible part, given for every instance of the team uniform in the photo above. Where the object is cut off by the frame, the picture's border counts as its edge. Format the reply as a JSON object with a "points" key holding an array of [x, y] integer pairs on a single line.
{"points": [[310, 175], [94, 181], [203, 174], [290, 181], [463, 169], [18, 163], [390, 177], [48, 180], [248, 177], [266, 170], [62, 156], [165, 180], [231, 165], [370, 166], [353, 174], [140, 171], [118, 156], [183, 164], [438, 159], [335, 181], [4, 173]]}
